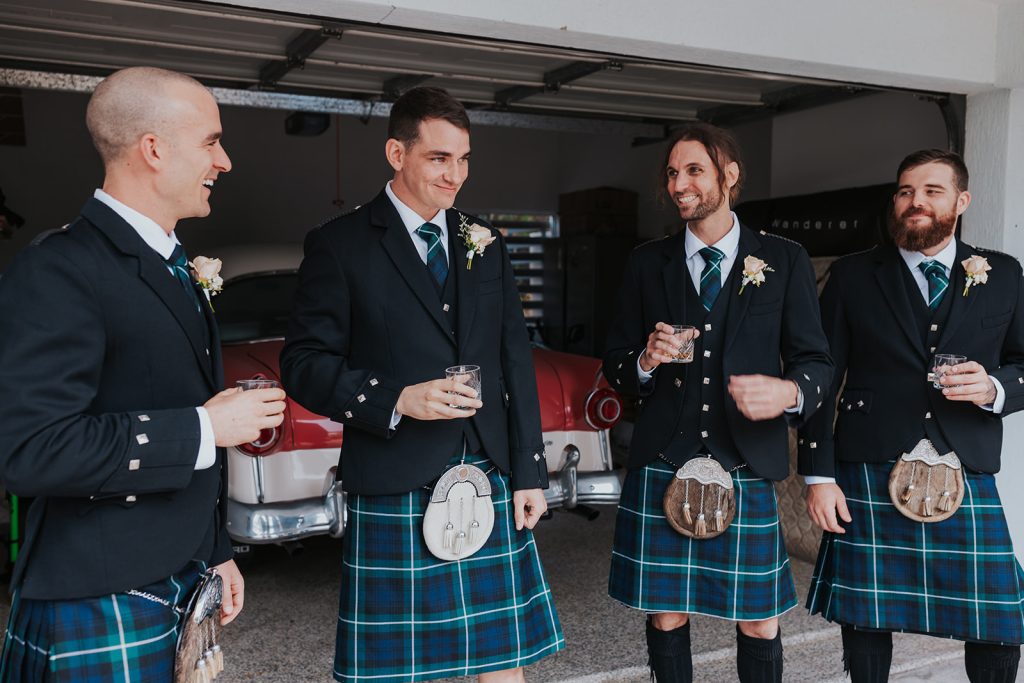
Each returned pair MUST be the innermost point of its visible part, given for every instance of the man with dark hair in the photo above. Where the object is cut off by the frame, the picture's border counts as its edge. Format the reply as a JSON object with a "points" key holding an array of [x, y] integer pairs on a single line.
{"points": [[711, 435], [390, 296], [111, 419], [884, 482]]}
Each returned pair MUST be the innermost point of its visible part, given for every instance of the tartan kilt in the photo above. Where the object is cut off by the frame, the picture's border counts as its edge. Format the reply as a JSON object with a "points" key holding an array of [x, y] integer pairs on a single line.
{"points": [[405, 615], [116, 637], [740, 575], [954, 579]]}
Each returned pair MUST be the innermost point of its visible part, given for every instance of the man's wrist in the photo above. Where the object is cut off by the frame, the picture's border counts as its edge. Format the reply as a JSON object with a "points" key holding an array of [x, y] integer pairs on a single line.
{"points": [[647, 367], [795, 401]]}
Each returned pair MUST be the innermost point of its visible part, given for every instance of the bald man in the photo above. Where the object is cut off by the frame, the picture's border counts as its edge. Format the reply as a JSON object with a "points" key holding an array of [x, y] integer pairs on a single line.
{"points": [[112, 417]]}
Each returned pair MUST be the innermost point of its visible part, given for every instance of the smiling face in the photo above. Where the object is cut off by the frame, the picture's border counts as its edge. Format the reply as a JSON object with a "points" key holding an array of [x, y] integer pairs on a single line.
{"points": [[193, 155], [693, 183], [926, 206], [430, 171]]}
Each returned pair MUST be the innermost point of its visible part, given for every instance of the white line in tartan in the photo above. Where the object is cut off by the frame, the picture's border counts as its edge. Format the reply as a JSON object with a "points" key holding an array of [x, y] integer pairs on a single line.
{"points": [[889, 504], [120, 633], [924, 569], [701, 567], [517, 662], [643, 539], [515, 606], [475, 558], [412, 584], [739, 537], [111, 648], [28, 644], [874, 558], [355, 632], [707, 614], [734, 524], [914, 549], [974, 528], [950, 598], [512, 575]]}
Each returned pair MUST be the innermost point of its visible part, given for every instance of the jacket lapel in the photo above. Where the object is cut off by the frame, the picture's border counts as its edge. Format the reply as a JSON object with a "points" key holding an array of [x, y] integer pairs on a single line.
{"points": [[154, 272], [403, 254], [677, 278], [465, 278], [894, 292], [738, 304], [961, 305]]}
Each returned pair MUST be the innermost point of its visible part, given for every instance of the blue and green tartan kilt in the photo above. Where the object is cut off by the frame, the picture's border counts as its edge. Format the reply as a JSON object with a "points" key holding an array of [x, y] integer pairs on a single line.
{"points": [[405, 615], [954, 579], [112, 638], [740, 575]]}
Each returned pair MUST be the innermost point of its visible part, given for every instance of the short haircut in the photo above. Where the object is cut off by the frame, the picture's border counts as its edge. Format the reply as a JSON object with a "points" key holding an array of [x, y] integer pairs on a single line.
{"points": [[130, 103], [421, 104], [941, 156], [720, 145]]}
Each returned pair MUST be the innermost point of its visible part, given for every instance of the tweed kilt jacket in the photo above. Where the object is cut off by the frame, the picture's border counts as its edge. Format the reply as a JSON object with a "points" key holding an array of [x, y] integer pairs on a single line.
{"points": [[367, 322], [103, 359], [871, 329], [772, 330]]}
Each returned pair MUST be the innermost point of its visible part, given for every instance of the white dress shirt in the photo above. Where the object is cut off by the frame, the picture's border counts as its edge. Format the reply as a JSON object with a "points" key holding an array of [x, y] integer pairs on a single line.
{"points": [[913, 259], [163, 244]]}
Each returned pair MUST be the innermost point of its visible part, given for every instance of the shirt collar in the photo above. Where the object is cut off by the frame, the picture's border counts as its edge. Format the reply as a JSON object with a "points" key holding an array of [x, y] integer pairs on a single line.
{"points": [[946, 257], [148, 229], [413, 220], [729, 245]]}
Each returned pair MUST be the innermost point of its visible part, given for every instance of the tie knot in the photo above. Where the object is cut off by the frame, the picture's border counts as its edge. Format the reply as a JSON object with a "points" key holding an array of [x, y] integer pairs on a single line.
{"points": [[932, 268], [429, 232], [177, 258], [712, 255]]}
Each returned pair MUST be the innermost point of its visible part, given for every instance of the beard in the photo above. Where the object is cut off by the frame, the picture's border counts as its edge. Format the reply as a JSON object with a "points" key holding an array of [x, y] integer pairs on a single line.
{"points": [[919, 239], [705, 206]]}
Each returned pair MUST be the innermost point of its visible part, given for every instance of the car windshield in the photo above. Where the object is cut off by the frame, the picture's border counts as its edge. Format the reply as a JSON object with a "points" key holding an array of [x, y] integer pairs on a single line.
{"points": [[255, 306]]}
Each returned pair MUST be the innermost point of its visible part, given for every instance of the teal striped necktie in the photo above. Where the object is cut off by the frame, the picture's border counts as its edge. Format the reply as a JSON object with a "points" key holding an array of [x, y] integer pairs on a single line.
{"points": [[437, 262], [178, 263], [711, 276], [938, 281]]}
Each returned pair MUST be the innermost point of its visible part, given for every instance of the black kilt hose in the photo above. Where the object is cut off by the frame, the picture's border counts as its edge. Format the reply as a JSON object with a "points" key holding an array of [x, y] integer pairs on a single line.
{"points": [[740, 575], [957, 578], [407, 616]]}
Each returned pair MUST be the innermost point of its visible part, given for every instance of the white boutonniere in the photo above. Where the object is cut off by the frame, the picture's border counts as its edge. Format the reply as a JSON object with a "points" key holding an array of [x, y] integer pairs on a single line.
{"points": [[476, 238], [753, 272], [207, 274], [976, 268]]}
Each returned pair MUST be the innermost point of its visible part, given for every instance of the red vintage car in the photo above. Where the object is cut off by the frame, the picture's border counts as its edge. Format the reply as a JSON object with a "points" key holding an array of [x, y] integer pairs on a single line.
{"points": [[282, 487]]}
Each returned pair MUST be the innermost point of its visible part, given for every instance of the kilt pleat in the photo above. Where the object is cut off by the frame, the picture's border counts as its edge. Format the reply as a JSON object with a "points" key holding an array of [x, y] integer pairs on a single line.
{"points": [[956, 579], [741, 575], [405, 615], [114, 637]]}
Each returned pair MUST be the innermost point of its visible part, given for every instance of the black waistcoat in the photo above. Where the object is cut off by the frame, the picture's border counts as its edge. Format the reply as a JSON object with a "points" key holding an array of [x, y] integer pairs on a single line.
{"points": [[929, 327], [702, 427]]}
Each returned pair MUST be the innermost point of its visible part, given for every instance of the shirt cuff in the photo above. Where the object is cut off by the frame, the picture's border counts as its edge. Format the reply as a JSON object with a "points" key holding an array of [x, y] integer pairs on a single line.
{"points": [[811, 481], [644, 376], [207, 441], [395, 419], [996, 406], [799, 407]]}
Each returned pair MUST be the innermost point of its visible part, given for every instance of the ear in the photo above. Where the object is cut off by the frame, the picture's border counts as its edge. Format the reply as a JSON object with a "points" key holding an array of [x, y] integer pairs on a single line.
{"points": [[394, 151], [732, 174], [962, 202], [152, 150]]}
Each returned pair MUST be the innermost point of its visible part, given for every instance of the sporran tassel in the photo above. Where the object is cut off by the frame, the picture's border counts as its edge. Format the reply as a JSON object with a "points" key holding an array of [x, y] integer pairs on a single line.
{"points": [[926, 507], [717, 525], [449, 529], [700, 529], [909, 491], [945, 502], [460, 541], [687, 517]]}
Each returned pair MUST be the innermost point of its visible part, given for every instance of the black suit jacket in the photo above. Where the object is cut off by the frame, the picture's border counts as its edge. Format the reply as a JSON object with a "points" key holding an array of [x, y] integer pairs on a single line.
{"points": [[102, 362], [877, 347], [772, 330], [367, 322]]}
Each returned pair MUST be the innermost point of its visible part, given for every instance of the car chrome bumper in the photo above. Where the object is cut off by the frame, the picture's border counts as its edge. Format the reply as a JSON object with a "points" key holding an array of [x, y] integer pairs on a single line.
{"points": [[291, 521], [567, 487]]}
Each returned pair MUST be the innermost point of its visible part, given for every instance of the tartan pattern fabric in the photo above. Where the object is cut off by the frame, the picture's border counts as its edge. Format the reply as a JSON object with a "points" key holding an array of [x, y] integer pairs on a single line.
{"points": [[117, 638], [437, 262], [711, 276], [938, 281], [955, 579], [741, 575], [406, 616], [178, 263]]}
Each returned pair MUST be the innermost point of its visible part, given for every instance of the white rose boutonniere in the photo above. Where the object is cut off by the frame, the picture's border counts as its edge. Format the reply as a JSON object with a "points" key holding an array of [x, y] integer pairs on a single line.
{"points": [[207, 274], [976, 268], [476, 238], [753, 272]]}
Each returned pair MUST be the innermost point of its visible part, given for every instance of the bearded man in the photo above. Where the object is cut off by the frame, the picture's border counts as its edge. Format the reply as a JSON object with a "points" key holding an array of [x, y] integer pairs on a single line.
{"points": [[901, 555]]}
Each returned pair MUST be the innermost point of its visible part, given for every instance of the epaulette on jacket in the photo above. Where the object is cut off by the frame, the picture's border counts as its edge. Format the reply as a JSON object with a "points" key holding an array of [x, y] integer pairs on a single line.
{"points": [[780, 237], [856, 253], [46, 234], [986, 250], [338, 215]]}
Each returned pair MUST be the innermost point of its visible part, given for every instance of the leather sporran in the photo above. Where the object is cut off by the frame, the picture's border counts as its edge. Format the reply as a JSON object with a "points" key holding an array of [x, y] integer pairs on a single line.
{"points": [[925, 486], [460, 515], [198, 658], [700, 502]]}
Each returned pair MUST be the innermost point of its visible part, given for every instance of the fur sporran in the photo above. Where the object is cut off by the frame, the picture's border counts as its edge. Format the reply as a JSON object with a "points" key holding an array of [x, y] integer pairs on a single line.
{"points": [[460, 515], [198, 658], [700, 502], [925, 486]]}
